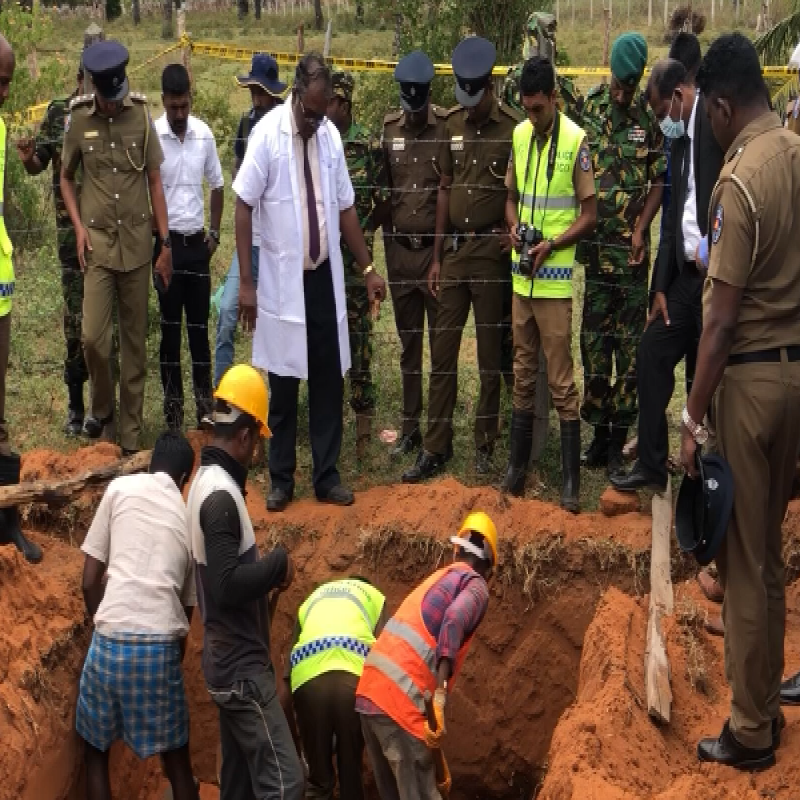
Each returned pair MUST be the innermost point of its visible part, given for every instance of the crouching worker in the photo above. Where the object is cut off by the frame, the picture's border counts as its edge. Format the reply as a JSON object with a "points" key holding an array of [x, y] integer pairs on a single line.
{"points": [[335, 630], [422, 648], [138, 584]]}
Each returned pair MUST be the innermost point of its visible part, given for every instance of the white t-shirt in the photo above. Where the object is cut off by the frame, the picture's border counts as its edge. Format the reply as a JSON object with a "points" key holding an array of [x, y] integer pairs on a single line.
{"points": [[140, 532]]}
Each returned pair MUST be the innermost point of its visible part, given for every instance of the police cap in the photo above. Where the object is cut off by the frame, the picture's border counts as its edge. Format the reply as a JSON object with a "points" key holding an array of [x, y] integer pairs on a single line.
{"points": [[704, 509], [414, 73], [473, 61], [105, 62]]}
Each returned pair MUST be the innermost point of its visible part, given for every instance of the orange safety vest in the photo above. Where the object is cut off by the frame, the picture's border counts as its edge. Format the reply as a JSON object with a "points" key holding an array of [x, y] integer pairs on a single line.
{"points": [[402, 662]]}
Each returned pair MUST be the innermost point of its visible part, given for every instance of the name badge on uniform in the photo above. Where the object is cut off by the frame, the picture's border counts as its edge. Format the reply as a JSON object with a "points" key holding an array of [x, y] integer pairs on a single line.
{"points": [[398, 144], [637, 135], [457, 143], [91, 134]]}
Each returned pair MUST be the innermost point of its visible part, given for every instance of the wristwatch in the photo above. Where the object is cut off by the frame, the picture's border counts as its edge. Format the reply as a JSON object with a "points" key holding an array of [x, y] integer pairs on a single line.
{"points": [[699, 432], [166, 242], [213, 234], [367, 271]]}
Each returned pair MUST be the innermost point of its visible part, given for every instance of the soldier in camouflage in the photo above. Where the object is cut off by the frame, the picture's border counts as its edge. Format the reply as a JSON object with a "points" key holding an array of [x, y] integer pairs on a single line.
{"points": [[629, 165], [36, 156], [365, 164]]}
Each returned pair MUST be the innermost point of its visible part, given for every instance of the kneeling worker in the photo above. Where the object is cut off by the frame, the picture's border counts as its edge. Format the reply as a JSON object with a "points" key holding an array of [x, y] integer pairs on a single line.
{"points": [[422, 648], [335, 630]]}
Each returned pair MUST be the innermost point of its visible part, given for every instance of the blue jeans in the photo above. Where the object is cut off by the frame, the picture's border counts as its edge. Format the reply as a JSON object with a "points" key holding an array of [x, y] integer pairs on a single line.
{"points": [[229, 317]]}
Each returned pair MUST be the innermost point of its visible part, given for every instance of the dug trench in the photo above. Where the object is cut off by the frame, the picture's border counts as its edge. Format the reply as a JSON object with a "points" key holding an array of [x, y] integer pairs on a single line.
{"points": [[535, 709]]}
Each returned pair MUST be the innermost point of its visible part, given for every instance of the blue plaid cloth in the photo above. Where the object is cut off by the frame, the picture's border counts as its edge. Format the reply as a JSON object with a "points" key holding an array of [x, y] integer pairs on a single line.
{"points": [[132, 689]]}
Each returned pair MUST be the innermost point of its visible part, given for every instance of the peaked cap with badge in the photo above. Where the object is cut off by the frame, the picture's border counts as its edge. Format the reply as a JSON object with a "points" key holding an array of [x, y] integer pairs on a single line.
{"points": [[414, 73], [473, 61], [105, 61]]}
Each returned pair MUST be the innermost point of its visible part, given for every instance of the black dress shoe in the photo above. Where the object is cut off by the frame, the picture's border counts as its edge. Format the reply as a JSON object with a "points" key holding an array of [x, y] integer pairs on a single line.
{"points": [[790, 691], [93, 427], [408, 443], [278, 499], [338, 496], [426, 466], [637, 478], [74, 424], [728, 752]]}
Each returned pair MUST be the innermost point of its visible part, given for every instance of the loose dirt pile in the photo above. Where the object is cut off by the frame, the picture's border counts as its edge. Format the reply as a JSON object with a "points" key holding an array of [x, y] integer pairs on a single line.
{"points": [[528, 669]]}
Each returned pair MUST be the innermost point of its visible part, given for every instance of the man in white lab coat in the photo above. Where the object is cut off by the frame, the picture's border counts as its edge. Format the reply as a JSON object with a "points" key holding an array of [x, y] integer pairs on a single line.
{"points": [[295, 171]]}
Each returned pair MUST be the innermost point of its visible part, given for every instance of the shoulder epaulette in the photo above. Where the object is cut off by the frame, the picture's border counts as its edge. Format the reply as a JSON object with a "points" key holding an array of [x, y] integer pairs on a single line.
{"points": [[138, 97], [81, 100], [441, 113], [393, 116]]}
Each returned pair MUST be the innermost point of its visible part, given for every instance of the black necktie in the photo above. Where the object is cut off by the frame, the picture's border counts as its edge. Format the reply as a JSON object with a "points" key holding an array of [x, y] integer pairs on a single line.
{"points": [[683, 188], [311, 202]]}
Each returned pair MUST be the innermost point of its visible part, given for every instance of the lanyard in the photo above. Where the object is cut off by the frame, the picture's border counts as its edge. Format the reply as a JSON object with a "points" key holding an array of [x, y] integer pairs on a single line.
{"points": [[551, 166]]}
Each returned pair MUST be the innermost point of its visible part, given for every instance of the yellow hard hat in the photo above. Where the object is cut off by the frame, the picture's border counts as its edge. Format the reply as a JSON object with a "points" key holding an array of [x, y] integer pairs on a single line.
{"points": [[243, 387], [480, 522]]}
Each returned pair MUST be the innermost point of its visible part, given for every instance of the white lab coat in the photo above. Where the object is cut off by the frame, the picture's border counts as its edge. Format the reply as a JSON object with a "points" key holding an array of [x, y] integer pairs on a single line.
{"points": [[268, 180]]}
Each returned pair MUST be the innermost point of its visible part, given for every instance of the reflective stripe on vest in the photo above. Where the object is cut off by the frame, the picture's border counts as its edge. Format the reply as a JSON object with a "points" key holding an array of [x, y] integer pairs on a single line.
{"points": [[7, 279], [337, 623], [551, 208], [402, 663]]}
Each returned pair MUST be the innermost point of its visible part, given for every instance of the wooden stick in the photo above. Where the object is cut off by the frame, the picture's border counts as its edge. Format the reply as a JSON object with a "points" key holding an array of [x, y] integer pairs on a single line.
{"points": [[59, 492], [657, 672]]}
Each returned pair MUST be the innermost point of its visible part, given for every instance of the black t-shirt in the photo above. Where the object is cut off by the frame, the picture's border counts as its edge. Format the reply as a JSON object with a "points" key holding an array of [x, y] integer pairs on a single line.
{"points": [[246, 125]]}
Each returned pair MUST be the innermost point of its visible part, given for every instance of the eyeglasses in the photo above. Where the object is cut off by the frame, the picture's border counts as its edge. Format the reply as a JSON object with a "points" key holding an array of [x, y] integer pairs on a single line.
{"points": [[312, 117]]}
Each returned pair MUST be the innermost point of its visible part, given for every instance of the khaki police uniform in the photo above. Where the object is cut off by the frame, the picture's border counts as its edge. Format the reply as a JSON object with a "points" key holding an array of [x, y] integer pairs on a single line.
{"points": [[116, 155], [474, 271], [413, 172], [754, 209]]}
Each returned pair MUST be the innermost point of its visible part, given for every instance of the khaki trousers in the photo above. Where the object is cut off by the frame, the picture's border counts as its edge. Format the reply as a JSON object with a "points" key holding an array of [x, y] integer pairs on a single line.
{"points": [[5, 348], [131, 289], [538, 321], [757, 414]]}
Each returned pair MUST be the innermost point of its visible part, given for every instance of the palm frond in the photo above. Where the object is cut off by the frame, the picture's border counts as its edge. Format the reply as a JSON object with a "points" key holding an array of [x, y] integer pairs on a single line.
{"points": [[786, 91], [776, 45]]}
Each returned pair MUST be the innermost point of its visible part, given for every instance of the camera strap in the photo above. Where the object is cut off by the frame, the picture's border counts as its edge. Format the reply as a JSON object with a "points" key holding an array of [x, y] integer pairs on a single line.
{"points": [[551, 166]]}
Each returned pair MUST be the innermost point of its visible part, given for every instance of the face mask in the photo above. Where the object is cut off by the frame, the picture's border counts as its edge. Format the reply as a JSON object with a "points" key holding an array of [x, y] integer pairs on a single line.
{"points": [[669, 127]]}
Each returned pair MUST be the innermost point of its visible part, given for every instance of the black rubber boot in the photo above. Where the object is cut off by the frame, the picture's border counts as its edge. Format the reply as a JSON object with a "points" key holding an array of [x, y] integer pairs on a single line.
{"points": [[75, 412], [571, 464], [10, 532], [616, 462], [596, 454], [521, 441]]}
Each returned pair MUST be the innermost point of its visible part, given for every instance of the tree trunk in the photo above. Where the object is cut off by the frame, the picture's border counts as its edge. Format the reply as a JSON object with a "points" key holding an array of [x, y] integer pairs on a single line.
{"points": [[242, 9], [257, 7], [166, 23], [136, 12], [318, 21]]}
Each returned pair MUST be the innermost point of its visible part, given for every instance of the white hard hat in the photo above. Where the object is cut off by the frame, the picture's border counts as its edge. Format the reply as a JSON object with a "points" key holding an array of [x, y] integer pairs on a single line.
{"points": [[794, 61]]}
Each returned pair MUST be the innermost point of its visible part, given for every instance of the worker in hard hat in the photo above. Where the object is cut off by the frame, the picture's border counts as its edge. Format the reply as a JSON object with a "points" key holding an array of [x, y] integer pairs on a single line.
{"points": [[259, 758], [335, 630], [421, 649]]}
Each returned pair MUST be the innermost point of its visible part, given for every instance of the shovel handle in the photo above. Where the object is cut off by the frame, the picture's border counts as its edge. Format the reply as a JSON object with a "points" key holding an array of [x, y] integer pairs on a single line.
{"points": [[438, 756]]}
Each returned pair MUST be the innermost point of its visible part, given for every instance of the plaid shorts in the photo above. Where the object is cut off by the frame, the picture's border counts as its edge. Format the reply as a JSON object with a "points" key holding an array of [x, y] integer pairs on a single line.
{"points": [[132, 689]]}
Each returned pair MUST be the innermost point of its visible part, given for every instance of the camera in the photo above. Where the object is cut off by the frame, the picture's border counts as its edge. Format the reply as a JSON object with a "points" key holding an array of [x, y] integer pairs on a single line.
{"points": [[529, 237]]}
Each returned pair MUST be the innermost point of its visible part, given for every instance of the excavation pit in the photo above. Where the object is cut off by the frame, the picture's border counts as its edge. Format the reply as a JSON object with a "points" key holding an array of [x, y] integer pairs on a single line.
{"points": [[549, 703]]}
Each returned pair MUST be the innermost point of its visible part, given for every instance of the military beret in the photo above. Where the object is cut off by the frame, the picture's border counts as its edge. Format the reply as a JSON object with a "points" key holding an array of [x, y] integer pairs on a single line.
{"points": [[414, 73], [105, 61], [628, 58], [343, 85], [473, 61]]}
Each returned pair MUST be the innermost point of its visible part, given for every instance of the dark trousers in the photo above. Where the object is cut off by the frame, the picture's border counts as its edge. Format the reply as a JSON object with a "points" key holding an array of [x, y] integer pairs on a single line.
{"points": [[660, 350], [189, 292], [325, 394], [326, 707], [259, 759]]}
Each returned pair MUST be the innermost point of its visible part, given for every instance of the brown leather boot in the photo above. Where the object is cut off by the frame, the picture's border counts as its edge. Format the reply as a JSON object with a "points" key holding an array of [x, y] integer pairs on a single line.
{"points": [[363, 432]]}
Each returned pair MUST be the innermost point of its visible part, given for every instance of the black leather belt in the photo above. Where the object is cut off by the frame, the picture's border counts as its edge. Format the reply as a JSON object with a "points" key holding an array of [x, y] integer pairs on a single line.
{"points": [[187, 239], [459, 234], [414, 241], [772, 356]]}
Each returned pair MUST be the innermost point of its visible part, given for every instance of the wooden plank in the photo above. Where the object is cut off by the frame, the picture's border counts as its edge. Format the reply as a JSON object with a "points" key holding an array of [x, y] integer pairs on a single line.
{"points": [[657, 672], [59, 492]]}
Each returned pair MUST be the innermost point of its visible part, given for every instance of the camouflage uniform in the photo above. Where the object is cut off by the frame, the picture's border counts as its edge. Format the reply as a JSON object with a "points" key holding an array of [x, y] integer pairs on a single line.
{"points": [[364, 162], [628, 154]]}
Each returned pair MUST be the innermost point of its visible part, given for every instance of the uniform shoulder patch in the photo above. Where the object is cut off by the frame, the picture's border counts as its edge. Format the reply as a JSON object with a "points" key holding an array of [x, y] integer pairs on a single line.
{"points": [[716, 225], [393, 116], [137, 97], [584, 159], [81, 100]]}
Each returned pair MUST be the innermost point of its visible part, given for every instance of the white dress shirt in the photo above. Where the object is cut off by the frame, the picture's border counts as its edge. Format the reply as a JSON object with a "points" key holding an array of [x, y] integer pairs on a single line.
{"points": [[691, 230], [269, 176], [185, 165]]}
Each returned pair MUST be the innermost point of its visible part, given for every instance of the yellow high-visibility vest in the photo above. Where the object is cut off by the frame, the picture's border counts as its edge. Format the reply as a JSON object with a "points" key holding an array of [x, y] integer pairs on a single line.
{"points": [[6, 248], [337, 630], [550, 206]]}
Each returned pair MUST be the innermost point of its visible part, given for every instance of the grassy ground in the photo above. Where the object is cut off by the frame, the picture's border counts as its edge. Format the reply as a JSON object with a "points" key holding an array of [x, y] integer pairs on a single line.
{"points": [[36, 394]]}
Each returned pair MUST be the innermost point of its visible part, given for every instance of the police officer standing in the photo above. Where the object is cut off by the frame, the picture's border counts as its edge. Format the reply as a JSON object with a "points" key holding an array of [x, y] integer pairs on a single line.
{"points": [[750, 351], [365, 165], [470, 256], [551, 193], [411, 142], [629, 165], [110, 135]]}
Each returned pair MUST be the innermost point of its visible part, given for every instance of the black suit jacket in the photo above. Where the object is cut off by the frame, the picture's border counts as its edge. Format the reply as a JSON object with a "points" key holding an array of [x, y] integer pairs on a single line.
{"points": [[708, 160]]}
